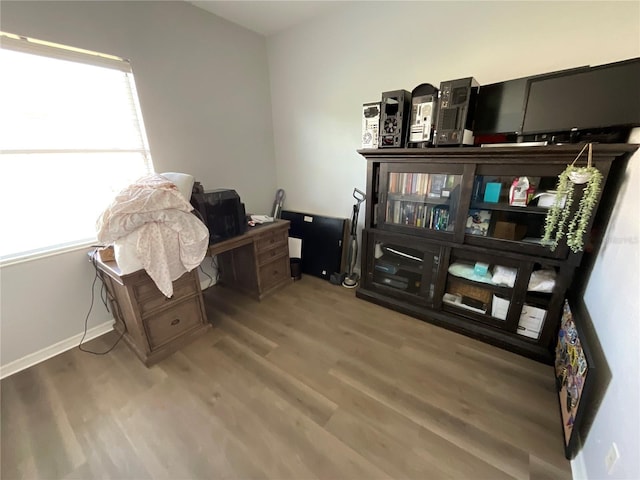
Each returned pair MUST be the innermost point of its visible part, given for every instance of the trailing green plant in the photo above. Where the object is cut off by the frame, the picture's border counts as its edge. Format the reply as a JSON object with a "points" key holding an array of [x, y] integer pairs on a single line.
{"points": [[558, 214], [557, 222]]}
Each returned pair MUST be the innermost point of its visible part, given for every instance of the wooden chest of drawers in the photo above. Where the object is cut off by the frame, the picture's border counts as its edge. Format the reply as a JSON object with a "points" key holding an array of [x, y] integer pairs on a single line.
{"points": [[259, 262], [154, 326]]}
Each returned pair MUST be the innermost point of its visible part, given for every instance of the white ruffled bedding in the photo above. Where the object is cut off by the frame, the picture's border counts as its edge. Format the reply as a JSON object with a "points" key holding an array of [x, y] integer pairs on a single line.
{"points": [[153, 215]]}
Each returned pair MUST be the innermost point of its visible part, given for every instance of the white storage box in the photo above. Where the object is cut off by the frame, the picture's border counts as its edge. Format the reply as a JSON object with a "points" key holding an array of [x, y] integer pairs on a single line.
{"points": [[499, 307], [531, 321]]}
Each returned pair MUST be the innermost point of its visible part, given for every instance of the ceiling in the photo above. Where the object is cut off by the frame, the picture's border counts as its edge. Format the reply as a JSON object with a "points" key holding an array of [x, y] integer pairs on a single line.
{"points": [[266, 17]]}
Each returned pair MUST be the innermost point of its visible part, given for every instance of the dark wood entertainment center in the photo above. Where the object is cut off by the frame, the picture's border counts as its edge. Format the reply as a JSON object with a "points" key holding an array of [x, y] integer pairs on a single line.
{"points": [[433, 243]]}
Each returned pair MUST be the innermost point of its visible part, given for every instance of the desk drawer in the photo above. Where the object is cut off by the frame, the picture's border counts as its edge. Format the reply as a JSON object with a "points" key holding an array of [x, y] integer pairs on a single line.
{"points": [[150, 298], [173, 322], [272, 273], [267, 256], [271, 239]]}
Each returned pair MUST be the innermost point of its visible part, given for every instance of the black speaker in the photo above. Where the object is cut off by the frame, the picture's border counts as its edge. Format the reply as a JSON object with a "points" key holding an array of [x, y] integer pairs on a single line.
{"points": [[394, 118]]}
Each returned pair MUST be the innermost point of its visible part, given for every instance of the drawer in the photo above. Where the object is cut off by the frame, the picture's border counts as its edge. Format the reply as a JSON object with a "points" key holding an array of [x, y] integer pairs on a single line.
{"points": [[272, 273], [272, 239], [173, 322], [270, 254], [150, 298]]}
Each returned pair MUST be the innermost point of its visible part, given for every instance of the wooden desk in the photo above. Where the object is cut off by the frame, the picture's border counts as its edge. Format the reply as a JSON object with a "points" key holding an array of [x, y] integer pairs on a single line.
{"points": [[256, 262], [154, 326]]}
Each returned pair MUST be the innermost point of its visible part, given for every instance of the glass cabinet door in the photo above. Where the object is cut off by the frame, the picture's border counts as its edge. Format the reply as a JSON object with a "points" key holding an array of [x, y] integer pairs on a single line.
{"points": [[402, 268], [509, 206], [421, 199], [506, 293], [482, 288]]}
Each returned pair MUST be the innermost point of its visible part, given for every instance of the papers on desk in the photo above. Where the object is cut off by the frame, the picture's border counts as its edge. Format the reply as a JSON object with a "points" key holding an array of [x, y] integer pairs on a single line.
{"points": [[259, 219]]}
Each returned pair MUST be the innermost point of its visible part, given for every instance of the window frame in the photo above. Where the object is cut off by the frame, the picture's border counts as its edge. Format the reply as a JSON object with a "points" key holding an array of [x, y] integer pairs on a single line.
{"points": [[28, 45]]}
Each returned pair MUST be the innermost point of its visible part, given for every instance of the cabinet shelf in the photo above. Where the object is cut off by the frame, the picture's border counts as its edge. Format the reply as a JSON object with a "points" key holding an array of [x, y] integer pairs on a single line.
{"points": [[399, 182], [505, 207], [416, 198], [386, 264], [486, 286], [475, 316], [538, 298]]}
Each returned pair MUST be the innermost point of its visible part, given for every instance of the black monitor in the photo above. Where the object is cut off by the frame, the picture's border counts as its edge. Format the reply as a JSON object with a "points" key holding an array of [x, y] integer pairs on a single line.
{"points": [[501, 106], [602, 97]]}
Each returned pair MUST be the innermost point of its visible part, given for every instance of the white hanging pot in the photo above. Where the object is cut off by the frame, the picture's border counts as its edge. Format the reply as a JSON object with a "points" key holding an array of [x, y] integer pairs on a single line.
{"points": [[579, 177], [582, 175]]}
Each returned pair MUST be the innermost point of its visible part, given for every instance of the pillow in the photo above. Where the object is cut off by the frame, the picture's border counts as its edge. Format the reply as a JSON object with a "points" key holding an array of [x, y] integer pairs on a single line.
{"points": [[183, 181]]}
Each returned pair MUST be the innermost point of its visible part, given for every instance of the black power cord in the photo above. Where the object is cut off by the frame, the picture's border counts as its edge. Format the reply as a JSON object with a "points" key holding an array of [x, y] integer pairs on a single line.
{"points": [[211, 280], [103, 296]]}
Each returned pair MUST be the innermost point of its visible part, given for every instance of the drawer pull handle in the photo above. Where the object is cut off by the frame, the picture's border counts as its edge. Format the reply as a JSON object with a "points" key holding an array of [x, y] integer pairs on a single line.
{"points": [[176, 321]]}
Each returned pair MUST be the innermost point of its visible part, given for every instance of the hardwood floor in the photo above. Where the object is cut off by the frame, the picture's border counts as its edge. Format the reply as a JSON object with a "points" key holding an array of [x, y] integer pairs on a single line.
{"points": [[309, 383]]}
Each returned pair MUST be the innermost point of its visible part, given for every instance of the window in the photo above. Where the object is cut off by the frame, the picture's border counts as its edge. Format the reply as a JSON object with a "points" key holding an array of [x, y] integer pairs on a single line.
{"points": [[71, 137]]}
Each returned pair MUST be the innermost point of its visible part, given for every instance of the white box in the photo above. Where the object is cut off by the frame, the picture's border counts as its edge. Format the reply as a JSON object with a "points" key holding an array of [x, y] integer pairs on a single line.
{"points": [[548, 199], [499, 307], [531, 321]]}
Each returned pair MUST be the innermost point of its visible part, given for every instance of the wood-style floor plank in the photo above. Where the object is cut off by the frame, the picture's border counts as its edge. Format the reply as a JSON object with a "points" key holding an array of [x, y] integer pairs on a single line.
{"points": [[310, 383]]}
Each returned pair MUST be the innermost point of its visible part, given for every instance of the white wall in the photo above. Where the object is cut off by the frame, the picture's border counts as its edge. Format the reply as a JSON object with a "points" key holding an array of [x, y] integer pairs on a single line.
{"points": [[323, 71], [204, 92], [613, 299]]}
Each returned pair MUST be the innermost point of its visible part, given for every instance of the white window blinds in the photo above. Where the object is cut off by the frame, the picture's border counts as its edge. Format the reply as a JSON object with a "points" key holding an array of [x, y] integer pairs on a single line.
{"points": [[71, 137]]}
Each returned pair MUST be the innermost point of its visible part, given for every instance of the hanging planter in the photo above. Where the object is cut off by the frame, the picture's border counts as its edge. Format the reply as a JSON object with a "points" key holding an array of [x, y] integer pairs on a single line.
{"points": [[559, 222]]}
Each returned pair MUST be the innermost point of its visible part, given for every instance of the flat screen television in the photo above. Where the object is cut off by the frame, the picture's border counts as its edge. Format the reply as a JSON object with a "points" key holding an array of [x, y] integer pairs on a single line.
{"points": [[602, 97], [500, 106]]}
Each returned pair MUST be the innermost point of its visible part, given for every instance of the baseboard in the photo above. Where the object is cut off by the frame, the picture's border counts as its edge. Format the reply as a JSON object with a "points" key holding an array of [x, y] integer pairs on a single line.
{"points": [[578, 468], [64, 345], [53, 350]]}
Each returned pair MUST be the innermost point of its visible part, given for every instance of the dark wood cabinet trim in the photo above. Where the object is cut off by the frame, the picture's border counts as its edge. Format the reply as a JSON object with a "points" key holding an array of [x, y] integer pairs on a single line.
{"points": [[508, 161]]}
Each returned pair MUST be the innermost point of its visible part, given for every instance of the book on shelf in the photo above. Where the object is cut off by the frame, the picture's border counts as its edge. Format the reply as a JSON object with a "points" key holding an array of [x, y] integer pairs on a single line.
{"points": [[422, 183], [440, 217], [478, 222], [396, 211], [406, 183], [476, 193], [451, 182], [421, 215], [393, 182], [437, 183], [407, 213]]}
